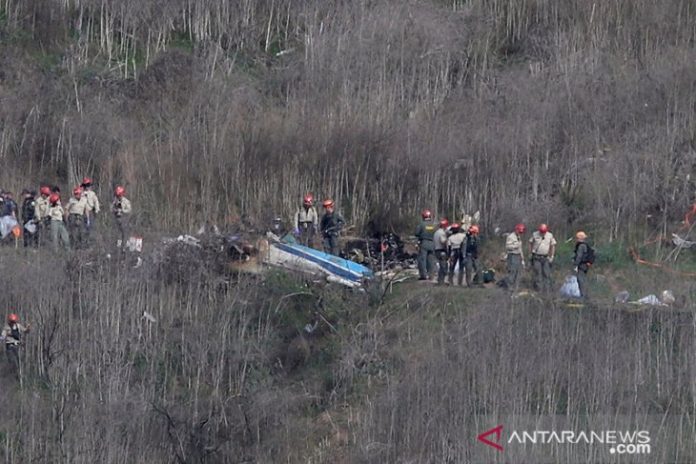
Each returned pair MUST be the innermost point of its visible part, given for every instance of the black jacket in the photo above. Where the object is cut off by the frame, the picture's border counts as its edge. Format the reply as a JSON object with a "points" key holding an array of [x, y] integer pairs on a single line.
{"points": [[331, 224], [472, 245]]}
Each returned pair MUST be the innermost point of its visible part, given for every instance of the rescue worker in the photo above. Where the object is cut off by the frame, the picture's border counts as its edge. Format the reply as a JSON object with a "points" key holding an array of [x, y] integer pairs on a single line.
{"points": [[9, 207], [42, 218], [93, 206], [457, 247], [331, 225], [29, 219], [440, 241], [121, 209], [56, 216], [515, 256], [582, 262], [12, 334], [426, 251], [471, 255], [306, 221], [77, 210], [542, 246]]}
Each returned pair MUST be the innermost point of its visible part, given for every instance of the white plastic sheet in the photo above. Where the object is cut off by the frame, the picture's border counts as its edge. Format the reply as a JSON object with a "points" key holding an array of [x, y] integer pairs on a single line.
{"points": [[570, 288], [7, 223]]}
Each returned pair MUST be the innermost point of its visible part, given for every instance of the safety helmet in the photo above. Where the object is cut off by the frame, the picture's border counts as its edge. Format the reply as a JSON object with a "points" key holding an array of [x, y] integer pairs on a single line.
{"points": [[455, 227], [328, 203], [308, 199], [543, 228], [54, 199], [426, 214], [77, 191], [520, 228], [474, 230], [580, 236], [444, 222], [119, 191], [12, 318], [45, 190], [86, 181]]}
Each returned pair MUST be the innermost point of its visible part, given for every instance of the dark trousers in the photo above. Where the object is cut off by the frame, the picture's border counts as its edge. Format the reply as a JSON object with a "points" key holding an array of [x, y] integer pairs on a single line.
{"points": [[472, 270], [542, 273], [457, 257], [331, 244], [76, 230], [31, 240], [582, 283], [122, 224], [426, 260], [514, 269], [442, 264], [307, 234], [13, 357]]}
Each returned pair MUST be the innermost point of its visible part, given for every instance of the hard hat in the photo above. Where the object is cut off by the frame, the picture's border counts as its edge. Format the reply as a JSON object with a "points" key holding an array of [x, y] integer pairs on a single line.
{"points": [[45, 190], [444, 222], [520, 228], [580, 235], [426, 214], [119, 191], [86, 181], [12, 318], [77, 191], [308, 199], [455, 226], [543, 228], [474, 230], [54, 198], [328, 203]]}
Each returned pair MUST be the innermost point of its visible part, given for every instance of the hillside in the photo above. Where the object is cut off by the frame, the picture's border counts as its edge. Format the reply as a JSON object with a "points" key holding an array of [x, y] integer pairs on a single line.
{"points": [[574, 113]]}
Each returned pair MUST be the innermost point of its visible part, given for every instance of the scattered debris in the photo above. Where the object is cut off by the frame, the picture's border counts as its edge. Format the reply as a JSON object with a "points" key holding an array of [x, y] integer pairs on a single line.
{"points": [[667, 297], [570, 288], [622, 297]]}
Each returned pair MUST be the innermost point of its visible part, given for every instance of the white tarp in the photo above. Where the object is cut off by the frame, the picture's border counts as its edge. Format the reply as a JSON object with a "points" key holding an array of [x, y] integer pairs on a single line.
{"points": [[570, 288], [7, 223]]}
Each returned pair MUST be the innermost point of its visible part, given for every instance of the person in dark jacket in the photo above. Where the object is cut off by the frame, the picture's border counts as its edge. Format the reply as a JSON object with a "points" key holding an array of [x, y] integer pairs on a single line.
{"points": [[425, 233], [29, 219], [331, 225], [581, 262], [471, 257]]}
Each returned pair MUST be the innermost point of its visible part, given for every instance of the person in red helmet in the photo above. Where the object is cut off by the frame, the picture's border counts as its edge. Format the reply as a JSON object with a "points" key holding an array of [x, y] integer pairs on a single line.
{"points": [[41, 216], [56, 214], [306, 221], [121, 209], [515, 256], [471, 256], [77, 210], [12, 334], [331, 225], [542, 246], [440, 241], [425, 233]]}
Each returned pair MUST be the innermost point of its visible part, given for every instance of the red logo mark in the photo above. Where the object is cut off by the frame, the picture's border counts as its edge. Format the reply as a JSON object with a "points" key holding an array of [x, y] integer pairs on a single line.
{"points": [[498, 431]]}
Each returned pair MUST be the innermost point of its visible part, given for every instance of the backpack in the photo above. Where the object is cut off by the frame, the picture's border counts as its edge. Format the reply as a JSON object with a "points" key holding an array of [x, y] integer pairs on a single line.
{"points": [[589, 255]]}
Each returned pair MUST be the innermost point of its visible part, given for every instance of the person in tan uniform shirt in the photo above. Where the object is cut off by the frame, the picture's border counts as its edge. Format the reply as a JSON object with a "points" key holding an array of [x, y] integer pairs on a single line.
{"points": [[515, 256], [542, 246], [57, 224], [41, 217], [77, 211], [121, 209]]}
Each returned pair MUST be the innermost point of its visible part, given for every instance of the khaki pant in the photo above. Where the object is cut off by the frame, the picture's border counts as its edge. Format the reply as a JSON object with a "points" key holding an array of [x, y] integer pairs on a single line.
{"points": [[514, 269], [59, 232], [542, 273], [76, 228]]}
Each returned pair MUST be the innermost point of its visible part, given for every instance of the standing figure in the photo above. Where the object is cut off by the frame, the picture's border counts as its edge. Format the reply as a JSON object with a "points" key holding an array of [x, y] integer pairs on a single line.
{"points": [[456, 243], [93, 206], [121, 209], [515, 256], [78, 216], [425, 233], [471, 258], [29, 219], [57, 225], [42, 218], [440, 240], [331, 225], [583, 260], [542, 246], [12, 334], [306, 221]]}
